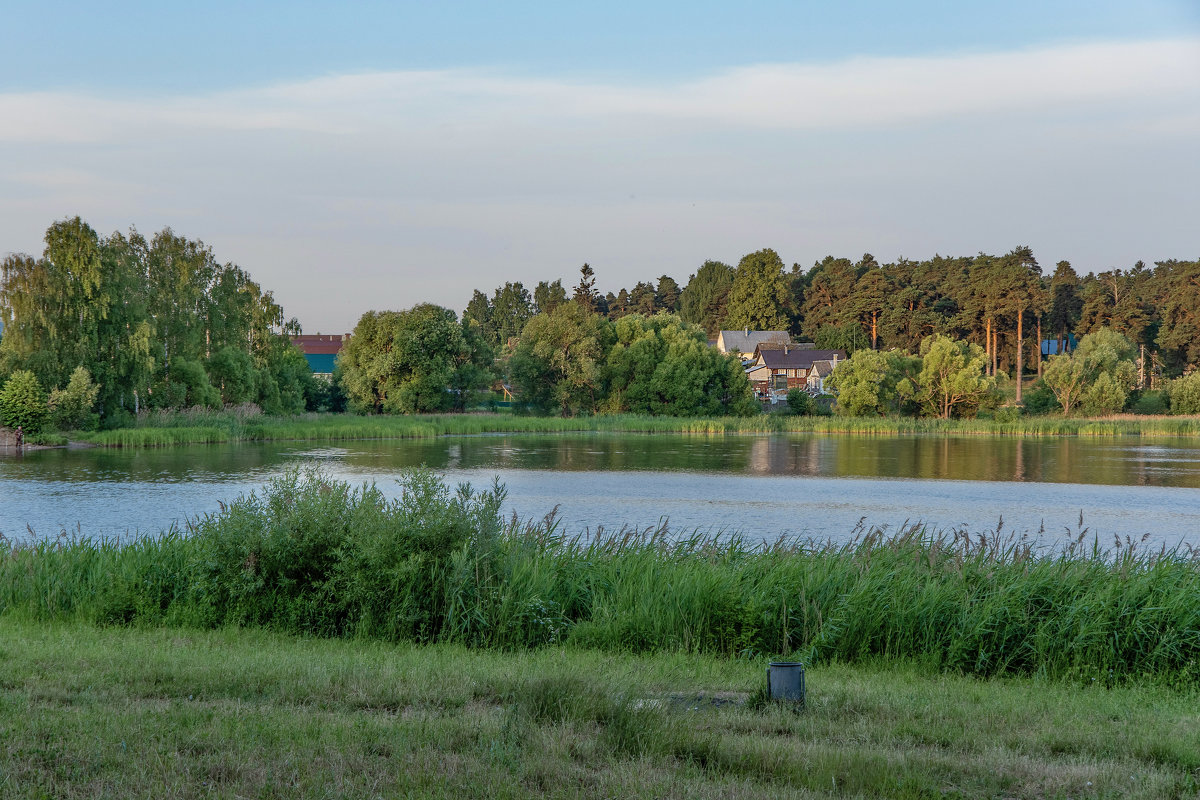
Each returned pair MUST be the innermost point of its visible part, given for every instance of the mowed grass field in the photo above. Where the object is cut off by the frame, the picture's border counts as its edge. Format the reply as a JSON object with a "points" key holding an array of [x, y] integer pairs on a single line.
{"points": [[93, 712]]}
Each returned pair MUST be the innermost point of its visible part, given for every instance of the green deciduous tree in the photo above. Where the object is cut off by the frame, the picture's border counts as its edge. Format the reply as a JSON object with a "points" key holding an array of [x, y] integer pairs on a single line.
{"points": [[408, 361], [512, 307], [479, 314], [1071, 377], [759, 298], [1106, 395], [801, 403], [1185, 394], [558, 364], [661, 365], [232, 370], [867, 383], [952, 381]]}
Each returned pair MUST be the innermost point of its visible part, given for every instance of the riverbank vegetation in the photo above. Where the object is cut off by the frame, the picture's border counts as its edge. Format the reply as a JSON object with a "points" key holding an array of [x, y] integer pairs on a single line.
{"points": [[250, 713], [100, 329], [247, 424], [312, 556]]}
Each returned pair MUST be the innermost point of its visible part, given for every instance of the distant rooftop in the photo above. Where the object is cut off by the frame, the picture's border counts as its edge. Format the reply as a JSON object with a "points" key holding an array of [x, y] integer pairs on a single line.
{"points": [[320, 343], [745, 340]]}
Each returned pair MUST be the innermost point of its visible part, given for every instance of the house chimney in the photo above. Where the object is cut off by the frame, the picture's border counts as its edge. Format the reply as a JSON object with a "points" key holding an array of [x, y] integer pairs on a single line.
{"points": [[785, 349], [747, 331]]}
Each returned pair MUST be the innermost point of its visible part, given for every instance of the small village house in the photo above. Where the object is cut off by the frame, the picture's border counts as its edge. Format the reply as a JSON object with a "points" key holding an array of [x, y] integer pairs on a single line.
{"points": [[774, 372], [321, 351]]}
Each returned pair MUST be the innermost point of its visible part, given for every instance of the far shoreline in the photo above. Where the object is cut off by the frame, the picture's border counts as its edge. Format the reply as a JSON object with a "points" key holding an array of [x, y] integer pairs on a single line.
{"points": [[213, 427]]}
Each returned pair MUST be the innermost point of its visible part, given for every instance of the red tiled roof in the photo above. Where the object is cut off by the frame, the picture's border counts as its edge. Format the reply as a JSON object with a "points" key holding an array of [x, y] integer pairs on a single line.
{"points": [[320, 343]]}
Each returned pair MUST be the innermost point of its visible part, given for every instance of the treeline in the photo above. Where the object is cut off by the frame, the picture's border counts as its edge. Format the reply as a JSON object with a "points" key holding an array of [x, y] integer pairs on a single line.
{"points": [[1006, 304], [569, 360], [100, 328]]}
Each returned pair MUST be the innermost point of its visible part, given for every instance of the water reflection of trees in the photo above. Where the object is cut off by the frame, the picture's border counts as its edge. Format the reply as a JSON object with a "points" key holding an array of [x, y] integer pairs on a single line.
{"points": [[1119, 461]]}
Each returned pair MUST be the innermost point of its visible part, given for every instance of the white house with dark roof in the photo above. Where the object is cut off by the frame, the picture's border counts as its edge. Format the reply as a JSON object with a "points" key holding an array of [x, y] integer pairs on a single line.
{"points": [[746, 341], [791, 368], [817, 375]]}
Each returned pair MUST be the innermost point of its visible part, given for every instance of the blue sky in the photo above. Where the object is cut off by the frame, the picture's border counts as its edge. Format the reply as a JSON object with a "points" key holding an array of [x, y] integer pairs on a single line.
{"points": [[375, 155]]}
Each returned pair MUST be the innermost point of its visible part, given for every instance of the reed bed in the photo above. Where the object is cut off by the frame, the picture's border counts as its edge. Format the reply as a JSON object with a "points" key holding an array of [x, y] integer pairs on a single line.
{"points": [[209, 427], [312, 556]]}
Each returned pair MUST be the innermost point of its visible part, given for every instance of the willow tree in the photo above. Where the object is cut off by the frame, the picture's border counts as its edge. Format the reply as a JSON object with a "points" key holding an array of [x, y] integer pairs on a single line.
{"points": [[558, 363], [952, 381], [410, 361]]}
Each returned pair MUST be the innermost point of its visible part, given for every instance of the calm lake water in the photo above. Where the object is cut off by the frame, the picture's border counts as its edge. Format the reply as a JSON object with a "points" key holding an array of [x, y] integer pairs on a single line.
{"points": [[763, 486]]}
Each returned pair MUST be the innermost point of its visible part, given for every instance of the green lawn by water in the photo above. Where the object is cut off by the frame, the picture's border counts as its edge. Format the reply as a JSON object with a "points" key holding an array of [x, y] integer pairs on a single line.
{"points": [[90, 712]]}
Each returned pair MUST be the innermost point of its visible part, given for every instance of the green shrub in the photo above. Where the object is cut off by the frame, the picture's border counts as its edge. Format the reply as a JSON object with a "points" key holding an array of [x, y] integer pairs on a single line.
{"points": [[800, 402], [1007, 415], [1185, 394], [1105, 396], [1151, 402], [23, 403], [71, 408], [1040, 400], [317, 556]]}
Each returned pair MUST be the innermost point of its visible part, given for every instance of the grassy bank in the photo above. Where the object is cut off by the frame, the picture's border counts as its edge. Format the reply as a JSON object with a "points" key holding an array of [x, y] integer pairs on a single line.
{"points": [[310, 556], [211, 427], [141, 713]]}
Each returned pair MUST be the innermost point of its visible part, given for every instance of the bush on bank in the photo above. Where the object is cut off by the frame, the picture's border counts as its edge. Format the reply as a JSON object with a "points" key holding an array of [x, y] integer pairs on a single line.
{"points": [[313, 556]]}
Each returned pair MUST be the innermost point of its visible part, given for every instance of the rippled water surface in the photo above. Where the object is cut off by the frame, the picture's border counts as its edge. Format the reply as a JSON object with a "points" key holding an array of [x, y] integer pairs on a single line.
{"points": [[764, 486]]}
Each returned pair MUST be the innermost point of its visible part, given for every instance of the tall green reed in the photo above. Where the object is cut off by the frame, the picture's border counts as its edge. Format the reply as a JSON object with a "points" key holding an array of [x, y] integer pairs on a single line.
{"points": [[203, 426], [314, 556]]}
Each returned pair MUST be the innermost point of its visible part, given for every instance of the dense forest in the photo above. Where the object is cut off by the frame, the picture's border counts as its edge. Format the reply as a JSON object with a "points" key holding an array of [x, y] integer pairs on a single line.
{"points": [[1139, 327], [100, 329], [1006, 304]]}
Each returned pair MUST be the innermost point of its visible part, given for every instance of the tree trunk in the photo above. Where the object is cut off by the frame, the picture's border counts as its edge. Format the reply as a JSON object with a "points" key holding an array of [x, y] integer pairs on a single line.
{"points": [[995, 347], [987, 345], [1020, 350], [1039, 347], [874, 330]]}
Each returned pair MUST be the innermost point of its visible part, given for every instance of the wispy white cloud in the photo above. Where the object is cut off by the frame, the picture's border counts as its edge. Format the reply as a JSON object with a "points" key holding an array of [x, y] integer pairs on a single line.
{"points": [[846, 94], [421, 185]]}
